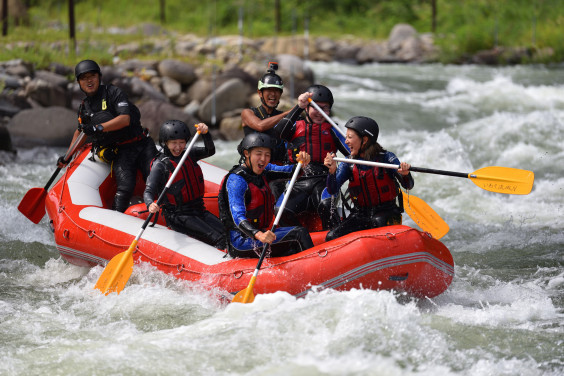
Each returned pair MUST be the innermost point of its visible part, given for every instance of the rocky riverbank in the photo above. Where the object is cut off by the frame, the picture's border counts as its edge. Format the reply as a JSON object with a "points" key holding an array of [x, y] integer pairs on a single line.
{"points": [[38, 107]]}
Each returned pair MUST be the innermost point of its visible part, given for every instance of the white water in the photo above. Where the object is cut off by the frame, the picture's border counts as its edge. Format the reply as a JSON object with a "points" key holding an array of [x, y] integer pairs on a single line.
{"points": [[503, 314]]}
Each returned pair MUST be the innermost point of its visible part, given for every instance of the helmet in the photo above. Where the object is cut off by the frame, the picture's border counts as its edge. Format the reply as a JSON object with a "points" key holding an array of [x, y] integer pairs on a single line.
{"points": [[270, 78], [173, 130], [321, 94], [365, 126], [256, 140], [86, 66]]}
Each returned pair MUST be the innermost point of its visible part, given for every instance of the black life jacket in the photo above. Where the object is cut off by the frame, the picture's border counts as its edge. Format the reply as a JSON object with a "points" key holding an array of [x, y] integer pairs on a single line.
{"points": [[95, 110], [279, 153]]}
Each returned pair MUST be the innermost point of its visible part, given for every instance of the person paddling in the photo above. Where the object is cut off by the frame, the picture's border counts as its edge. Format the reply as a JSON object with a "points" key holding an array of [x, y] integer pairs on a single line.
{"points": [[183, 207], [316, 137], [373, 190], [246, 203]]}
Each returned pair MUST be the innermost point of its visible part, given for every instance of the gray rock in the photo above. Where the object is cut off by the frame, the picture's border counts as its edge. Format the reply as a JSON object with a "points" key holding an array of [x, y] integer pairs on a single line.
{"points": [[52, 78], [171, 88], [399, 34], [52, 126], [229, 96], [46, 94], [199, 90], [178, 70], [373, 52], [231, 128], [154, 113]]}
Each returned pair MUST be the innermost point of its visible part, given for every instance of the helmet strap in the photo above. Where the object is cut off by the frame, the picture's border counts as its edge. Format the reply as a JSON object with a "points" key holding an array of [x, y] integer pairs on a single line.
{"points": [[265, 105]]}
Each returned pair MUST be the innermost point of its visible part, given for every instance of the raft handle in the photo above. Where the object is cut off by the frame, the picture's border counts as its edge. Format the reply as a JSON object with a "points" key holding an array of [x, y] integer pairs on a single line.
{"points": [[240, 274], [323, 253]]}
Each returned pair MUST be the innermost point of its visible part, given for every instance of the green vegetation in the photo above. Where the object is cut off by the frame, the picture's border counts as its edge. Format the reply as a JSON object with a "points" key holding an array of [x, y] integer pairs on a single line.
{"points": [[462, 26]]}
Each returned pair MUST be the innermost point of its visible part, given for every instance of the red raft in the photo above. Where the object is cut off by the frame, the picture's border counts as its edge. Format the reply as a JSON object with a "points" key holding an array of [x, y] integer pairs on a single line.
{"points": [[87, 233]]}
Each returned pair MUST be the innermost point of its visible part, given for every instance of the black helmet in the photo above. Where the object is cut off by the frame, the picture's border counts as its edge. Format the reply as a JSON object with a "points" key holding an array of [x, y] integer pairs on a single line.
{"points": [[173, 130], [86, 66], [256, 140], [365, 126], [270, 78], [321, 94]]}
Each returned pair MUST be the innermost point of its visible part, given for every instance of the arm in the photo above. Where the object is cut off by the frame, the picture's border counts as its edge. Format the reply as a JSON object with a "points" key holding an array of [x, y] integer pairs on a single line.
{"points": [[286, 126], [336, 180], [250, 120], [236, 188], [154, 185], [402, 174], [208, 150]]}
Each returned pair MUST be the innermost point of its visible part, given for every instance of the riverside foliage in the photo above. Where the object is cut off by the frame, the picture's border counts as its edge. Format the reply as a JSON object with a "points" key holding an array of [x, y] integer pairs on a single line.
{"points": [[461, 26]]}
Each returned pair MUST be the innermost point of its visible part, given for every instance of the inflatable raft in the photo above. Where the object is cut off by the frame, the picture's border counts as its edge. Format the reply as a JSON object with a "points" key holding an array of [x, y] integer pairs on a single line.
{"points": [[87, 233]]}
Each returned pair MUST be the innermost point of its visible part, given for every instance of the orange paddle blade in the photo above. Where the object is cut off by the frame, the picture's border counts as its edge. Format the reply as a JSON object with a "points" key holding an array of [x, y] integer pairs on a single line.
{"points": [[503, 180], [425, 217], [33, 204], [246, 295], [117, 272]]}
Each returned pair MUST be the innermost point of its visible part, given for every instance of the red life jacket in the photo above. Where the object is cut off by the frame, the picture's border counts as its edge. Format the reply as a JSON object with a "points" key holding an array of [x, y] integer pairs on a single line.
{"points": [[259, 204], [188, 184], [315, 139], [372, 187]]}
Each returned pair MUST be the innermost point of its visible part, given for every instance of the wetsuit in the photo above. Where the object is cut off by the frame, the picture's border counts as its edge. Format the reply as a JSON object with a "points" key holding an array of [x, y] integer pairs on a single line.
{"points": [[246, 206], [308, 192], [375, 193], [183, 207], [135, 150], [279, 154]]}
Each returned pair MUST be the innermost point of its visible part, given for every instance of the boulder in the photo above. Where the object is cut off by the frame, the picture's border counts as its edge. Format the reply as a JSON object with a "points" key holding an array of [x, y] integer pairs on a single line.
{"points": [[177, 70], [46, 94], [5, 139], [229, 96], [154, 113], [52, 126], [231, 128]]}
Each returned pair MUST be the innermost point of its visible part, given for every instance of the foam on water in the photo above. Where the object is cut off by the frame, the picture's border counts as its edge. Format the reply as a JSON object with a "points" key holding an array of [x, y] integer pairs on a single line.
{"points": [[501, 316]]}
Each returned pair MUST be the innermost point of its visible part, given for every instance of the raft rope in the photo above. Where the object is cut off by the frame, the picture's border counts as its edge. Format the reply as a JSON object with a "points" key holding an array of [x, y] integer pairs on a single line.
{"points": [[237, 273]]}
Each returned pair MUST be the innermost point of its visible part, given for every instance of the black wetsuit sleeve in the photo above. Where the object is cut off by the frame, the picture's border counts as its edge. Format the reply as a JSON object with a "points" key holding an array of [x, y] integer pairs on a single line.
{"points": [[199, 152], [247, 228], [155, 183], [406, 181], [286, 127]]}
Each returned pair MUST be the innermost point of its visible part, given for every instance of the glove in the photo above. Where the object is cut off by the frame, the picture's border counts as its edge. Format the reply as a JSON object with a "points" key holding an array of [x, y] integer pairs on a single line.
{"points": [[91, 129]]}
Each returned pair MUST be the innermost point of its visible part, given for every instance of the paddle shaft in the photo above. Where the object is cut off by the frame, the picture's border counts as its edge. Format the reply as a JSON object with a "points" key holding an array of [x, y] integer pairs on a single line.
{"points": [[125, 257], [394, 166], [70, 152], [168, 184], [249, 289], [335, 126]]}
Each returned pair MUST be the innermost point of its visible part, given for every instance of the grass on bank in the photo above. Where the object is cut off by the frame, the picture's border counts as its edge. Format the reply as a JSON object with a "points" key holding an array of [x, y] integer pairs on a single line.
{"points": [[463, 26]]}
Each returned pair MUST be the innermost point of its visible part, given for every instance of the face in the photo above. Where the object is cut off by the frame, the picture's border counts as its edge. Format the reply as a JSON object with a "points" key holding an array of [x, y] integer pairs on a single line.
{"points": [[271, 96], [89, 82], [354, 142], [258, 158], [176, 147], [316, 116]]}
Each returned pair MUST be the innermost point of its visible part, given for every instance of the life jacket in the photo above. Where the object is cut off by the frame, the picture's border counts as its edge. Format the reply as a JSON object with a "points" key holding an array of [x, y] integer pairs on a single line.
{"points": [[259, 200], [279, 153], [315, 139], [188, 184], [96, 110], [372, 187]]}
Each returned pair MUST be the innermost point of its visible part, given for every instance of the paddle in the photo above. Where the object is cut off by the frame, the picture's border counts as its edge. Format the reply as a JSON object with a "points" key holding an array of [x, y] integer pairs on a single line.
{"points": [[335, 126], [421, 213], [247, 295], [119, 269], [494, 179], [33, 203]]}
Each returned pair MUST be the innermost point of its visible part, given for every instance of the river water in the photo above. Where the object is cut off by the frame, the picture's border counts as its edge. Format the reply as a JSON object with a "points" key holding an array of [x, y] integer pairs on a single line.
{"points": [[502, 315]]}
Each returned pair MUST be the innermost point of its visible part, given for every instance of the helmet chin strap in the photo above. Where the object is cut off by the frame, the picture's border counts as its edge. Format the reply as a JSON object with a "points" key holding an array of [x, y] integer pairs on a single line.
{"points": [[267, 106]]}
